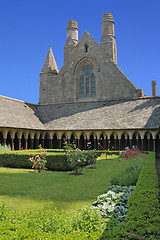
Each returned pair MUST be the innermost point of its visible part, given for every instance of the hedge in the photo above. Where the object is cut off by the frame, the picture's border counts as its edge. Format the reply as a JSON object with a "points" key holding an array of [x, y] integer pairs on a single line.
{"points": [[143, 219], [20, 159]]}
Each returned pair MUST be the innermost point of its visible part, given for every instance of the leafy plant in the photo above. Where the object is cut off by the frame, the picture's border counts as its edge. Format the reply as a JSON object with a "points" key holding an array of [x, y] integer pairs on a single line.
{"points": [[77, 158], [135, 161], [114, 202], [5, 148]]}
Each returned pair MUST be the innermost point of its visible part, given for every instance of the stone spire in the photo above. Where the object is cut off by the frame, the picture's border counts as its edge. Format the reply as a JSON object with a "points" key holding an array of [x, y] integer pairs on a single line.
{"points": [[108, 41], [50, 63], [72, 39]]}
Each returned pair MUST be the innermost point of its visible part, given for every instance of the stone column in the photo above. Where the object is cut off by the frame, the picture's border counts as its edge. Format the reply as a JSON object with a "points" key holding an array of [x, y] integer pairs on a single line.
{"points": [[109, 144], [85, 143], [12, 144], [130, 143], [5, 140], [105, 143], [142, 144], [154, 145], [42, 142], [50, 143], [115, 146], [31, 143], [77, 142], [119, 144], [58, 143], [95, 143], [19, 143], [25, 144]]}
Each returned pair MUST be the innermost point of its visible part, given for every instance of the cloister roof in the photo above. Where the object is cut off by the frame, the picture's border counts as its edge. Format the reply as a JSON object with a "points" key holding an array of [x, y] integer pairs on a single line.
{"points": [[18, 114], [143, 113]]}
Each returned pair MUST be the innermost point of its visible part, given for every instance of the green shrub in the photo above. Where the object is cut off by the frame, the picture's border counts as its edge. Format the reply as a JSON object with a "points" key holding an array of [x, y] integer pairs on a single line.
{"points": [[143, 219], [130, 175], [20, 159], [5, 148], [49, 223]]}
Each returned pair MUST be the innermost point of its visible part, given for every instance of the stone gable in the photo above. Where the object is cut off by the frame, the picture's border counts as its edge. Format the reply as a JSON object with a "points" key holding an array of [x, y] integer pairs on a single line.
{"points": [[110, 82]]}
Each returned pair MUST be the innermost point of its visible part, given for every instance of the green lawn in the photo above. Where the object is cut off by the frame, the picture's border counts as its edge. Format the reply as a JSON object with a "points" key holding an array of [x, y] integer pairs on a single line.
{"points": [[22, 189]]}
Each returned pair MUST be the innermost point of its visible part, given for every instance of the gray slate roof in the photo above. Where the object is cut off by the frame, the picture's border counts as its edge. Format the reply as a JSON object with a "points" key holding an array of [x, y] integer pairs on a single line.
{"points": [[18, 114], [141, 113]]}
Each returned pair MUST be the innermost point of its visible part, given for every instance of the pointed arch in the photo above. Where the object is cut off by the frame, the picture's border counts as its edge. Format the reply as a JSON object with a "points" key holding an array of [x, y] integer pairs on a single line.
{"points": [[23, 142], [47, 141], [148, 142], [8, 140], [29, 143], [63, 139], [112, 142], [72, 139], [16, 142], [35, 142], [136, 140], [82, 142], [91, 139], [157, 144], [102, 142], [54, 141], [1, 138]]}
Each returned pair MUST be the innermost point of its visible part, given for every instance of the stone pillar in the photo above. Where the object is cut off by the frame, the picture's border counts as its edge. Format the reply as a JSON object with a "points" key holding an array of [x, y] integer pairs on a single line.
{"points": [[37, 143], [77, 142], [95, 141], [5, 140], [31, 143], [115, 146], [154, 145], [19, 143], [119, 144], [109, 144], [50, 143], [12, 144], [85, 143], [98, 144], [142, 144], [42, 142], [58, 143], [25, 144], [130, 143], [105, 143]]}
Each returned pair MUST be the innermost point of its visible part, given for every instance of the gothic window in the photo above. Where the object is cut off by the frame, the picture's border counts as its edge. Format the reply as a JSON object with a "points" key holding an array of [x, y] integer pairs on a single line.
{"points": [[82, 86], [87, 82], [93, 85]]}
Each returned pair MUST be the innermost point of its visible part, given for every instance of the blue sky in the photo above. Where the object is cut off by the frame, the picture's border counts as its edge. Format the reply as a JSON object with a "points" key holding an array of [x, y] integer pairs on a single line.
{"points": [[28, 27]]}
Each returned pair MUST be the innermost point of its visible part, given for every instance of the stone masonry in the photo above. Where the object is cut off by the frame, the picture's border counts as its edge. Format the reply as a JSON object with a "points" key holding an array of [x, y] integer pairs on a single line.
{"points": [[110, 82]]}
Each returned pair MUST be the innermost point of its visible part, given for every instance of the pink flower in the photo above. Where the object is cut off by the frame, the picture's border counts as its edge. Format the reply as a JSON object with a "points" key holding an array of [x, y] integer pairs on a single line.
{"points": [[69, 151], [83, 150], [65, 142], [78, 160], [43, 152]]}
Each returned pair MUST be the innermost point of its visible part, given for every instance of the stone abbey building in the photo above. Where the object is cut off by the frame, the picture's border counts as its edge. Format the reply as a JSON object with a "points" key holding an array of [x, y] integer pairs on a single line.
{"points": [[89, 99]]}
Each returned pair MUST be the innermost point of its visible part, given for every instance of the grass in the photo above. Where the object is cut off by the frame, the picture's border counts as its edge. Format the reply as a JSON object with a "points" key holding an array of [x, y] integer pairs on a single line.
{"points": [[21, 189]]}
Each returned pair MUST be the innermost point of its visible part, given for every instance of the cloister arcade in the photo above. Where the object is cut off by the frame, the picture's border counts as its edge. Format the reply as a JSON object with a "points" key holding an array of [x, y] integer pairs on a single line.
{"points": [[148, 140]]}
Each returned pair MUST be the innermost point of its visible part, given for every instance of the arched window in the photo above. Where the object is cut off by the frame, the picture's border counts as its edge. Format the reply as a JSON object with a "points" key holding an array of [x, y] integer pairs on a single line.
{"points": [[82, 86], [93, 85], [87, 82]]}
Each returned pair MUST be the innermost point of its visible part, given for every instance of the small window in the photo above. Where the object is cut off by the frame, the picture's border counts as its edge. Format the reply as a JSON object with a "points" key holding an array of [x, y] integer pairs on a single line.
{"points": [[86, 47]]}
